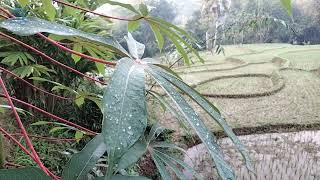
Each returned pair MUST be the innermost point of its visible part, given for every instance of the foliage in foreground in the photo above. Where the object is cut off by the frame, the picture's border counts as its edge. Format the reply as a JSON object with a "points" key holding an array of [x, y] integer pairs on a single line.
{"points": [[124, 104]]}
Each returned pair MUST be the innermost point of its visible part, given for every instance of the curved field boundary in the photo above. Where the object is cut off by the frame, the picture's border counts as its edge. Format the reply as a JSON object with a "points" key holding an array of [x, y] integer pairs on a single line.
{"points": [[258, 52], [277, 80], [226, 69]]}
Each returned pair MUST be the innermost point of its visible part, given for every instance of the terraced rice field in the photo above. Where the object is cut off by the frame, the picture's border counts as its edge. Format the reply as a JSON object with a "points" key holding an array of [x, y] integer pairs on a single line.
{"points": [[258, 85], [270, 87], [277, 156]]}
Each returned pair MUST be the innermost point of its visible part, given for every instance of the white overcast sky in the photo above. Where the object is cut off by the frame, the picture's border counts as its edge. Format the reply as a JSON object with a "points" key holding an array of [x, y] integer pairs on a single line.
{"points": [[185, 8]]}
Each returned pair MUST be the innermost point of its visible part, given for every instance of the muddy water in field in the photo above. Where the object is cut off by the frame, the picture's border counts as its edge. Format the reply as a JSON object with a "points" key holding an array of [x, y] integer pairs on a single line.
{"points": [[276, 156]]}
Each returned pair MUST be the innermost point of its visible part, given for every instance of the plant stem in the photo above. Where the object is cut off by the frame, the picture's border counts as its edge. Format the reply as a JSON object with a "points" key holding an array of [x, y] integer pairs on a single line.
{"points": [[48, 57], [34, 87], [22, 128], [2, 153], [52, 116], [55, 43], [110, 169], [75, 52], [99, 14]]}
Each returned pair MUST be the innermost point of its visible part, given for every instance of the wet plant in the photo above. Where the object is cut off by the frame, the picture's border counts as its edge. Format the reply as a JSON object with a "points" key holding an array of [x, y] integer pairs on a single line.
{"points": [[123, 139]]}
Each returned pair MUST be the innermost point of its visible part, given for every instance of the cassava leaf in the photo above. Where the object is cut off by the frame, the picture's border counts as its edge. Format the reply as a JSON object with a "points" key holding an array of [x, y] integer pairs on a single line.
{"points": [[182, 164], [77, 47], [133, 25], [136, 49], [161, 167], [82, 162], [179, 47], [29, 173], [287, 5], [120, 177], [176, 28], [49, 9], [143, 9], [124, 108], [23, 3], [197, 124], [132, 155], [155, 131], [170, 164], [211, 110], [33, 25], [124, 5], [157, 34]]}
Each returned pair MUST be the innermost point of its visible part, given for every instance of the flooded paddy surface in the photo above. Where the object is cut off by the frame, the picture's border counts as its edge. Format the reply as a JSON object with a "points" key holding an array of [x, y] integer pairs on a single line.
{"points": [[276, 156]]}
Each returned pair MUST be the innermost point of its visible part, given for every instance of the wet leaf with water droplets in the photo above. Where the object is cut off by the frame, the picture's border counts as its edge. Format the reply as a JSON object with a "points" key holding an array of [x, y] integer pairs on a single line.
{"points": [[82, 162], [33, 25], [136, 49], [197, 124], [30, 173], [210, 109], [132, 155], [125, 115]]}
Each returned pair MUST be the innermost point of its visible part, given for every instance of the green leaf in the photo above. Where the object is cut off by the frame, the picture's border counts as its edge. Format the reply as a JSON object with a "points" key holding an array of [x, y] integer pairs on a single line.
{"points": [[132, 155], [23, 3], [77, 47], [168, 70], [157, 35], [100, 67], [39, 123], [120, 177], [211, 110], [22, 111], [287, 5], [124, 5], [81, 163], [49, 9], [125, 115], [175, 34], [58, 85], [11, 57], [181, 163], [197, 124], [55, 129], [78, 135], [180, 49], [143, 9], [133, 25], [170, 164], [29, 173], [155, 131], [79, 101], [161, 167], [167, 145], [176, 28], [23, 71], [33, 25], [136, 49]]}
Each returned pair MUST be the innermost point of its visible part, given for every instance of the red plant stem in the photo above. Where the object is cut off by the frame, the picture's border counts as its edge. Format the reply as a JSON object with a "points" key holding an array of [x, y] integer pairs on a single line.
{"points": [[48, 57], [47, 138], [24, 149], [34, 87], [75, 52], [6, 12], [99, 14], [22, 128], [52, 116], [59, 45], [13, 164], [6, 17]]}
